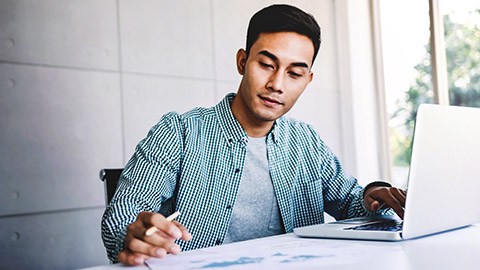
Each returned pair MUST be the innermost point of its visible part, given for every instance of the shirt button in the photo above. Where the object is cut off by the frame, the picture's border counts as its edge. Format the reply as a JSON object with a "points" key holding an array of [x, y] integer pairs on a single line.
{"points": [[229, 206], [218, 242], [237, 170]]}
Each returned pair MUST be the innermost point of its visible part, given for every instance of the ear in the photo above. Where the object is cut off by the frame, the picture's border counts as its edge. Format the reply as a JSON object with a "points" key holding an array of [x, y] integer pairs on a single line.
{"points": [[241, 61], [310, 77]]}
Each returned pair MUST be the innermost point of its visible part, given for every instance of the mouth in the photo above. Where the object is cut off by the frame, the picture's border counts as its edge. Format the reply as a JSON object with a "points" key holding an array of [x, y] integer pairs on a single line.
{"points": [[269, 101]]}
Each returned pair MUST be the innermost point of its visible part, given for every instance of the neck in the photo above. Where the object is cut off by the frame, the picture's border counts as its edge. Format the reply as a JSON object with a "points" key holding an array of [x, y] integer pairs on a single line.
{"points": [[253, 126]]}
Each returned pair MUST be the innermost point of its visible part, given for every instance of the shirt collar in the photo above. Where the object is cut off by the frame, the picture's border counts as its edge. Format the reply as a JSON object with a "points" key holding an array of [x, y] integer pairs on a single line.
{"points": [[277, 130], [231, 128]]}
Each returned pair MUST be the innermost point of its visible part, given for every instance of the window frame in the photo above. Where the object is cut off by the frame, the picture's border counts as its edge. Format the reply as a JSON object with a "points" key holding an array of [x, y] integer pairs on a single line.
{"points": [[439, 73]]}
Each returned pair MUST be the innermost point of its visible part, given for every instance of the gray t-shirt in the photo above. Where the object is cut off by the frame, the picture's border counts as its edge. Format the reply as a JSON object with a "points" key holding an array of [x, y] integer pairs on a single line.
{"points": [[255, 213]]}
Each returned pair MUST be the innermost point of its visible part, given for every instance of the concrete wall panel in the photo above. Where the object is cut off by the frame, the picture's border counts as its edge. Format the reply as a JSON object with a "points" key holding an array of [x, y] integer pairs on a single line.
{"points": [[79, 33], [59, 127], [167, 37], [62, 240], [147, 98]]}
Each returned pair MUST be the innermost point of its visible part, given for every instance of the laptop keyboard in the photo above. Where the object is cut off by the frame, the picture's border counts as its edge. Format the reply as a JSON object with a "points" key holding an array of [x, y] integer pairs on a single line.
{"points": [[387, 225]]}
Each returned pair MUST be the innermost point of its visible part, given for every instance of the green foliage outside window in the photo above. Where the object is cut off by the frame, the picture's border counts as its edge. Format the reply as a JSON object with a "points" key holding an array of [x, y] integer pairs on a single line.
{"points": [[463, 65]]}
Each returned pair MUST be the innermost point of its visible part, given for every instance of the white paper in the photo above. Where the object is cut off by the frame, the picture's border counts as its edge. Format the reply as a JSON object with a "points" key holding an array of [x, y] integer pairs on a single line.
{"points": [[278, 252]]}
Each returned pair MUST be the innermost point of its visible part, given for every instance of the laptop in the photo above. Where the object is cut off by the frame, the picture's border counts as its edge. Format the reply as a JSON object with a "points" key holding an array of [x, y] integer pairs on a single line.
{"points": [[443, 181]]}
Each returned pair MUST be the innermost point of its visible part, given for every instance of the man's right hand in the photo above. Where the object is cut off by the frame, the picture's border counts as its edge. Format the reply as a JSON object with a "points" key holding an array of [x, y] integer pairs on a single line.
{"points": [[138, 247]]}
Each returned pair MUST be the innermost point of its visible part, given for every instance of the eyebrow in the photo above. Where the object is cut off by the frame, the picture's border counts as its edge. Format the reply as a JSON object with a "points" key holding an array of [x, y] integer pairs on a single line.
{"points": [[274, 58]]}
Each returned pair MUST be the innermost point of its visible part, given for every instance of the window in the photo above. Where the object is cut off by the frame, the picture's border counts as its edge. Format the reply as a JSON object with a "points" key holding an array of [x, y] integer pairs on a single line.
{"points": [[461, 22], [406, 59], [448, 72]]}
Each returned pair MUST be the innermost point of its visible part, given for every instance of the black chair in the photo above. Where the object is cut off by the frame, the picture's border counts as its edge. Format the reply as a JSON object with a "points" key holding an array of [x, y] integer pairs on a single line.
{"points": [[110, 179]]}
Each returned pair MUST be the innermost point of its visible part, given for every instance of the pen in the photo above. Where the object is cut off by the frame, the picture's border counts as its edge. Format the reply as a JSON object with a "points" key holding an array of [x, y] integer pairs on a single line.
{"points": [[154, 229]]}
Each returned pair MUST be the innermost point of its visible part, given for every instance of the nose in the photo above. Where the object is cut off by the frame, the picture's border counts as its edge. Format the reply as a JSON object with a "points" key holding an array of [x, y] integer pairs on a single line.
{"points": [[276, 82]]}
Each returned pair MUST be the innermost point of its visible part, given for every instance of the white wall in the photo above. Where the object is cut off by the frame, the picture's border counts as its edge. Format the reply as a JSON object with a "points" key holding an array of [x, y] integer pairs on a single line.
{"points": [[82, 81]]}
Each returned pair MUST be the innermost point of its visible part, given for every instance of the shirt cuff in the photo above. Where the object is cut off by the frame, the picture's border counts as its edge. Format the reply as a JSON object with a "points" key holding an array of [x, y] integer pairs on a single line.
{"points": [[119, 245]]}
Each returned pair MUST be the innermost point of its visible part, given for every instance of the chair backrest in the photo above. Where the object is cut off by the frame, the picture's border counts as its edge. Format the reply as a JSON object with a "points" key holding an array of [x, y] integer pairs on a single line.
{"points": [[110, 179]]}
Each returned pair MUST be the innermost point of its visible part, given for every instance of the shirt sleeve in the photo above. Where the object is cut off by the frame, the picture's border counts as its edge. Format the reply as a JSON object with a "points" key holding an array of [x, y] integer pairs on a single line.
{"points": [[342, 195], [148, 180]]}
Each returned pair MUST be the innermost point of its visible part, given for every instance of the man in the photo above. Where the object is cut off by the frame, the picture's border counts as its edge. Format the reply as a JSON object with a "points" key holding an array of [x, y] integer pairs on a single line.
{"points": [[239, 170]]}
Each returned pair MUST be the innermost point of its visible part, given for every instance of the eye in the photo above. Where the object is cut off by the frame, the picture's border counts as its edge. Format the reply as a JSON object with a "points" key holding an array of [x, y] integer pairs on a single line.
{"points": [[266, 65], [293, 74]]}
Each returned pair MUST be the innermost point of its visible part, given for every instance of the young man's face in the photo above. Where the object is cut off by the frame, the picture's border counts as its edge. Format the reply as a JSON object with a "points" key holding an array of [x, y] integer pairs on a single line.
{"points": [[274, 75]]}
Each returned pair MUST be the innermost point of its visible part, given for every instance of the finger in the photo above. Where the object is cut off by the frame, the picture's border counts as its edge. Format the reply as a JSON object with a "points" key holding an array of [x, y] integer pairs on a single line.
{"points": [[382, 206], [160, 239], [386, 196], [374, 206], [186, 236], [128, 238], [399, 195], [139, 246], [371, 204], [163, 225], [141, 225], [129, 258], [156, 245]]}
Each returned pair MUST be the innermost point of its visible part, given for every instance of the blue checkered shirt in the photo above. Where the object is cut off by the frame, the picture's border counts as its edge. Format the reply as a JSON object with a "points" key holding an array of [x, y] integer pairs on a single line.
{"points": [[196, 160]]}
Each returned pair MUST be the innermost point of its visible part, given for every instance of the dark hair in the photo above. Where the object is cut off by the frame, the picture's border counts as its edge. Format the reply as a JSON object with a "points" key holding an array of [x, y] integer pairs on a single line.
{"points": [[283, 18]]}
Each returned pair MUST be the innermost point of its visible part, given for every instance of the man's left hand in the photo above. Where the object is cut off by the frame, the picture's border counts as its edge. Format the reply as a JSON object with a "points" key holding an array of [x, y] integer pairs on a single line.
{"points": [[376, 198]]}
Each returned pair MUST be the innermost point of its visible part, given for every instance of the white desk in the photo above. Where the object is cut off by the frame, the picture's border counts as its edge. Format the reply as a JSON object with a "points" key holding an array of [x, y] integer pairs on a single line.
{"points": [[458, 249]]}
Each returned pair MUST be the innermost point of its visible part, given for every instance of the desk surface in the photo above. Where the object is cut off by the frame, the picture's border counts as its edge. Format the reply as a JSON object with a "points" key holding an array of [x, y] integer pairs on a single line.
{"points": [[457, 249]]}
